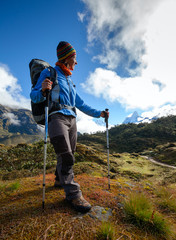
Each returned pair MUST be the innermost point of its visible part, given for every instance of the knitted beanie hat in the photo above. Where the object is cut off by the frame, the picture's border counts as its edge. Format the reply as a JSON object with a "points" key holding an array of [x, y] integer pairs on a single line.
{"points": [[65, 50]]}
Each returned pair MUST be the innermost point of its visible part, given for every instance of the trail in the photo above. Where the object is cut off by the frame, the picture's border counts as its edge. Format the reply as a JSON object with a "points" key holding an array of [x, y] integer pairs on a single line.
{"points": [[159, 163]]}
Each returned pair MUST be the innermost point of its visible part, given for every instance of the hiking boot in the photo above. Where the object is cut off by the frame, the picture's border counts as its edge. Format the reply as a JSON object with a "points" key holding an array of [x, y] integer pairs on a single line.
{"points": [[80, 204], [57, 184]]}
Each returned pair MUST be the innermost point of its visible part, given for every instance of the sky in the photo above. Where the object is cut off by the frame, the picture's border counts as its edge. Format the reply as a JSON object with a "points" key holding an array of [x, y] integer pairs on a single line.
{"points": [[126, 53]]}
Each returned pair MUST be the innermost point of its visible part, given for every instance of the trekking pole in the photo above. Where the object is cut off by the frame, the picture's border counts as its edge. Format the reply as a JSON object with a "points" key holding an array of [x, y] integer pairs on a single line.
{"points": [[107, 137], [45, 146]]}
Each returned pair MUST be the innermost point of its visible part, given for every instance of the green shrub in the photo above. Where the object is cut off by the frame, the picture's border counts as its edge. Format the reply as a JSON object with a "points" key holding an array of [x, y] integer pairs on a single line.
{"points": [[13, 186], [9, 188]]}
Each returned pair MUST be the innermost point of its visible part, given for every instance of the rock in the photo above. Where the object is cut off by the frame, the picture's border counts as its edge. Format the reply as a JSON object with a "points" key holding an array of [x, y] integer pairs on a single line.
{"points": [[130, 184], [97, 212], [120, 205], [100, 213]]}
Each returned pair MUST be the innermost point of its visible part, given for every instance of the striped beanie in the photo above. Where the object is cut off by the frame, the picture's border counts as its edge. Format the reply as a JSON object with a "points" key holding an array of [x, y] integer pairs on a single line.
{"points": [[65, 50]]}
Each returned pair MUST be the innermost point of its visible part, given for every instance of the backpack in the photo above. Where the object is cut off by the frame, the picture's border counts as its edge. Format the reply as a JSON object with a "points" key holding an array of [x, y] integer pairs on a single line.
{"points": [[36, 66]]}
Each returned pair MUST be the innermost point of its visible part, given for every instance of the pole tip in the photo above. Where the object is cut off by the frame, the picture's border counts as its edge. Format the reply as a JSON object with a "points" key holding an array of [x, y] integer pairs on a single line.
{"points": [[43, 206]]}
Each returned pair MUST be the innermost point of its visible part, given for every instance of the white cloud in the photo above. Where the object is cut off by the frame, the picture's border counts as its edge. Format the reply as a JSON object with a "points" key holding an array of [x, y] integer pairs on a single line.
{"points": [[132, 93], [163, 111], [120, 26], [85, 124], [13, 119], [81, 16], [143, 32], [10, 90]]}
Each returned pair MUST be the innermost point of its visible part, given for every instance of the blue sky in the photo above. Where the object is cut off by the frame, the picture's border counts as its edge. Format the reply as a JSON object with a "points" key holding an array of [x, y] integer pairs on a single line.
{"points": [[125, 52]]}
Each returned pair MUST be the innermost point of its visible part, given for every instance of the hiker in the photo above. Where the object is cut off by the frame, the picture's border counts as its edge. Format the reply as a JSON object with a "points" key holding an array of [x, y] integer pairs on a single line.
{"points": [[62, 120]]}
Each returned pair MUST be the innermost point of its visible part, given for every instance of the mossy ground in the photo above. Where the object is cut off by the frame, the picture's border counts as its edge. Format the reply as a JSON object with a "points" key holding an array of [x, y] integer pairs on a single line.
{"points": [[21, 198]]}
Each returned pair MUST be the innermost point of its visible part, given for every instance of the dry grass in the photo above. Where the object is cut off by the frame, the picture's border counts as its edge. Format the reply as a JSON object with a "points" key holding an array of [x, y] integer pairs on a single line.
{"points": [[22, 216], [21, 212]]}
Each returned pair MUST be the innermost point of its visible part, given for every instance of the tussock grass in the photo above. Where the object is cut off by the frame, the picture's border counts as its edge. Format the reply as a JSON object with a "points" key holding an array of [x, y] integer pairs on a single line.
{"points": [[167, 199], [140, 212], [105, 231]]}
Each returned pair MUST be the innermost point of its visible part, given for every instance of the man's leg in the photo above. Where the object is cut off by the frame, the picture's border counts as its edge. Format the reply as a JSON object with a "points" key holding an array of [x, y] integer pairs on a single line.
{"points": [[73, 135], [59, 127]]}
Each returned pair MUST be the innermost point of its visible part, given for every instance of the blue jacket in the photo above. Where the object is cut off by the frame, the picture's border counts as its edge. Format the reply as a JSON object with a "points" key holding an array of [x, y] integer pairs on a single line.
{"points": [[67, 94]]}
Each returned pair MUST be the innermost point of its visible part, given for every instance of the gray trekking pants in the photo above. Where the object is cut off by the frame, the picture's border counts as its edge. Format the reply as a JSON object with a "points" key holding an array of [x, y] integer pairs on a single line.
{"points": [[63, 135]]}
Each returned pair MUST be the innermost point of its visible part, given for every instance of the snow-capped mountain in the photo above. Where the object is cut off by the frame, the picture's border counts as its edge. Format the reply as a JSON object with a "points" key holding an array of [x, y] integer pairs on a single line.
{"points": [[132, 118], [135, 118], [164, 111]]}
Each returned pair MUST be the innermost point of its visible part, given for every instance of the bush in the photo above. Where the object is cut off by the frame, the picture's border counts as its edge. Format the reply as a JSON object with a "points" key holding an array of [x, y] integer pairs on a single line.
{"points": [[9, 188]]}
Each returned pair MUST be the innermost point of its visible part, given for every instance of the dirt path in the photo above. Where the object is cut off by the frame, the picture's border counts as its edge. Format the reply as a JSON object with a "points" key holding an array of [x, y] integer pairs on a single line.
{"points": [[159, 163]]}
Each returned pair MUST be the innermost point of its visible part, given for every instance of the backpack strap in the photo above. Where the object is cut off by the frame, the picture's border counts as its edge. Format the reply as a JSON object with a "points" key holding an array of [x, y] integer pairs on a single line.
{"points": [[58, 106], [53, 74]]}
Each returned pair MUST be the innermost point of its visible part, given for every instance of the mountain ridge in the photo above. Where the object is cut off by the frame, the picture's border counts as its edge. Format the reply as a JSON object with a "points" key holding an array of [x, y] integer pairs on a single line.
{"points": [[18, 126], [133, 137], [17, 123]]}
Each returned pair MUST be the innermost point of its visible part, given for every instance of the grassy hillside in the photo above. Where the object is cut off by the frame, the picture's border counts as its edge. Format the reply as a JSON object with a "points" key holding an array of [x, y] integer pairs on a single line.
{"points": [[156, 139], [140, 205], [165, 153], [136, 137]]}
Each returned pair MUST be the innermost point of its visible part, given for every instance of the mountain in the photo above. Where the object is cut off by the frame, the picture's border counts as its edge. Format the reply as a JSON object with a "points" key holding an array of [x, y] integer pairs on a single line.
{"points": [[132, 118], [135, 118], [148, 117], [17, 126]]}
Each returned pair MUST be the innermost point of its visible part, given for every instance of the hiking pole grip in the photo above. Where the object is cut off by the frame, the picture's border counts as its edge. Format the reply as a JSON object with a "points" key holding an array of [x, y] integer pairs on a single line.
{"points": [[106, 117]]}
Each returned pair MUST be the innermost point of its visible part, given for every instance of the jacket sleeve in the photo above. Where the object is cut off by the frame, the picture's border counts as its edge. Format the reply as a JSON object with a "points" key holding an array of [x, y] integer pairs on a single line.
{"points": [[36, 92], [85, 108]]}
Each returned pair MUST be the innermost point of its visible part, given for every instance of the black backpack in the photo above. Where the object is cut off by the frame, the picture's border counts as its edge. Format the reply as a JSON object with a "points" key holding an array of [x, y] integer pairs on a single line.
{"points": [[36, 66]]}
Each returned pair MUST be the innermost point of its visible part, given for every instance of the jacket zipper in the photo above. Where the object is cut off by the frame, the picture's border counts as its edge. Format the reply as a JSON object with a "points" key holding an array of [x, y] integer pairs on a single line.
{"points": [[69, 88]]}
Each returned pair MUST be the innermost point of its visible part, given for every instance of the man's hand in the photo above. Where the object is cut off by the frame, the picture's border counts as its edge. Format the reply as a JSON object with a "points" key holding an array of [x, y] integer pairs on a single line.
{"points": [[104, 114], [46, 85]]}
